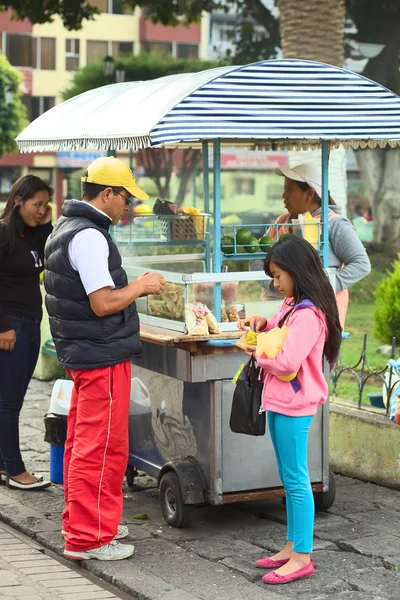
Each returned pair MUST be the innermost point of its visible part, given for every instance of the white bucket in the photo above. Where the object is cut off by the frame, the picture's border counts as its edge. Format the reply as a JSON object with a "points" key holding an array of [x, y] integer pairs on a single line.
{"points": [[60, 401]]}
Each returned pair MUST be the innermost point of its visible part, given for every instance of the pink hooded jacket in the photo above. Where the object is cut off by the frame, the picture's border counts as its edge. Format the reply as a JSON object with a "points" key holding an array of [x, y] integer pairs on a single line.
{"points": [[302, 353]]}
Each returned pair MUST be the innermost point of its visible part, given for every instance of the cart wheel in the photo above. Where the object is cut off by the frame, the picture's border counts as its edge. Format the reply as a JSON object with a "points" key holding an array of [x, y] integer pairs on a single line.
{"points": [[324, 500], [131, 473], [175, 511]]}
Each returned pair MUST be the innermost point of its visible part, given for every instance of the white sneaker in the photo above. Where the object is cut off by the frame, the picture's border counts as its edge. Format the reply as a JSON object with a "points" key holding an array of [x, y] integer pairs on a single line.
{"points": [[112, 551], [123, 532]]}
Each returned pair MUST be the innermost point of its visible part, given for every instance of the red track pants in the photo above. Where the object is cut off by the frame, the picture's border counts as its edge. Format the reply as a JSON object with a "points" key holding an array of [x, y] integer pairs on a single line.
{"points": [[96, 456]]}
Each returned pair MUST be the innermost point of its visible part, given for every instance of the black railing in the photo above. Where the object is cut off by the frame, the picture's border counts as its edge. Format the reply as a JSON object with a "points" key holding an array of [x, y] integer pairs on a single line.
{"points": [[365, 372]]}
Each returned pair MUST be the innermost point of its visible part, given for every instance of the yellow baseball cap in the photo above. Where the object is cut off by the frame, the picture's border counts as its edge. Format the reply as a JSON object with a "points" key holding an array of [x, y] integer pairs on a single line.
{"points": [[113, 172]]}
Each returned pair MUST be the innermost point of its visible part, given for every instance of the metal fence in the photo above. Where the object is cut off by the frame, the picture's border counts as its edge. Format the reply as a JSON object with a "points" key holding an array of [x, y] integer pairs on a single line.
{"points": [[363, 372]]}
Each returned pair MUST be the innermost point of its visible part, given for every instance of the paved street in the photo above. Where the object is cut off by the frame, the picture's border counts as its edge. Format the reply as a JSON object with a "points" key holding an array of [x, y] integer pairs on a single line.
{"points": [[27, 573], [357, 544]]}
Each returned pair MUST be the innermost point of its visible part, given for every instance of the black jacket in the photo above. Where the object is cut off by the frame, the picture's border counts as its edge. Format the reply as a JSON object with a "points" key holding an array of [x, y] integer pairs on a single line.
{"points": [[82, 339], [20, 266]]}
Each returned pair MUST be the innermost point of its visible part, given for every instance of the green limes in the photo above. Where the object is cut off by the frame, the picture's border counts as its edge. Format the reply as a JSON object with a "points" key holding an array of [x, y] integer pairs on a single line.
{"points": [[252, 245], [243, 237], [228, 245], [266, 241]]}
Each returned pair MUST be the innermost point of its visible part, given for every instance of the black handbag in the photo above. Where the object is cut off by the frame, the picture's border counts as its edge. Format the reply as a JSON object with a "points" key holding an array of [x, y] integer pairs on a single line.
{"points": [[245, 414]]}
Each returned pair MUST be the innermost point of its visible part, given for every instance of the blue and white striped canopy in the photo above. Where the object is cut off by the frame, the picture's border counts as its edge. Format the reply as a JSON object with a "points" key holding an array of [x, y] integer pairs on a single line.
{"points": [[281, 103]]}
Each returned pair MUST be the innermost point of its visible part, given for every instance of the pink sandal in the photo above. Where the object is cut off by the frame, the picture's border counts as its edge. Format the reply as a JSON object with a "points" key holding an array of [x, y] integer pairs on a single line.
{"points": [[270, 563], [276, 579]]}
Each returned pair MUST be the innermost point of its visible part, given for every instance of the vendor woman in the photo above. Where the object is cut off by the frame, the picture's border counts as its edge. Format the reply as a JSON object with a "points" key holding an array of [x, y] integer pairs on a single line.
{"points": [[302, 193]]}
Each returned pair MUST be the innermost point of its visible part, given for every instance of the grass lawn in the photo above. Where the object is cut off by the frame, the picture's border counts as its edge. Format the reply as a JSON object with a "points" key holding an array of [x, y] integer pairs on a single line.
{"points": [[358, 322]]}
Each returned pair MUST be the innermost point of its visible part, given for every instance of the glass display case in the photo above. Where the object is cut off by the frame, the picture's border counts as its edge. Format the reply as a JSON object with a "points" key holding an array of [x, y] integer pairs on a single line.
{"points": [[242, 294]]}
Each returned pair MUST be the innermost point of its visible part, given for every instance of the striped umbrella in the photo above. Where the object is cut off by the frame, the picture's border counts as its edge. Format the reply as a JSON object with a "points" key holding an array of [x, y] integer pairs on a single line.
{"points": [[273, 103]]}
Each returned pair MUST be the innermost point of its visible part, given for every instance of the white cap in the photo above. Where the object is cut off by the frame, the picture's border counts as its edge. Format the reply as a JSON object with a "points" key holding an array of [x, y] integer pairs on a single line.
{"points": [[307, 173]]}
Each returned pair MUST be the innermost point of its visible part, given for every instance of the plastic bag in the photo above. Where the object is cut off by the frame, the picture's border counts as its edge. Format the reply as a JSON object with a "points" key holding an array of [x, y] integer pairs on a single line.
{"points": [[196, 321], [270, 344], [55, 429], [212, 322], [245, 413], [249, 338]]}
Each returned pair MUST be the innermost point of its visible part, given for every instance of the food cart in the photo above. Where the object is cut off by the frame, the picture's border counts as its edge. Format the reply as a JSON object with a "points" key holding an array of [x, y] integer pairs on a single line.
{"points": [[182, 386]]}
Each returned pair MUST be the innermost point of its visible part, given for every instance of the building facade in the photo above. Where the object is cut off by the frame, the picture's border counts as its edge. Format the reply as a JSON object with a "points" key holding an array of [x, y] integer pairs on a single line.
{"points": [[48, 55]]}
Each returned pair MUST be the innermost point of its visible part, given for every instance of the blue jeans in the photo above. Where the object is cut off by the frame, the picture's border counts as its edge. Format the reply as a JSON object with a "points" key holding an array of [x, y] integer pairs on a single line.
{"points": [[289, 437], [16, 370]]}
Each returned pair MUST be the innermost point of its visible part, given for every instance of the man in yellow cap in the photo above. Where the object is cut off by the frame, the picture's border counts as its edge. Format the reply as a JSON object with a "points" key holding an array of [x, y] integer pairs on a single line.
{"points": [[95, 327]]}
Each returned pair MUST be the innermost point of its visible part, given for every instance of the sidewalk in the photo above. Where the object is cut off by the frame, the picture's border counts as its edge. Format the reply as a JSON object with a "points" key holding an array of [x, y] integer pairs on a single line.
{"points": [[357, 544], [26, 573]]}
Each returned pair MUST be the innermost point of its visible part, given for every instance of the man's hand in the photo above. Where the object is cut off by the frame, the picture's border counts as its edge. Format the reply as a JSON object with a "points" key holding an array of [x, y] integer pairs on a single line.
{"points": [[8, 340], [107, 301], [153, 283]]}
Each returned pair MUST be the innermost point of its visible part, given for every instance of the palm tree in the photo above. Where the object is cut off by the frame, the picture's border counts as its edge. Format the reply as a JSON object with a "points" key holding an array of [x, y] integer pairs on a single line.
{"points": [[313, 30]]}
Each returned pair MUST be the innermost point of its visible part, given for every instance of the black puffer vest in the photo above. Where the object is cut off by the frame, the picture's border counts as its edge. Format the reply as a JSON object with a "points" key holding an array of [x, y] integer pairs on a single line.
{"points": [[82, 339]]}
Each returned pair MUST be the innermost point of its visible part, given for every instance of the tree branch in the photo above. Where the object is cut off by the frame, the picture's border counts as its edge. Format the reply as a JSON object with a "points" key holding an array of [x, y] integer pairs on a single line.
{"points": [[262, 15]]}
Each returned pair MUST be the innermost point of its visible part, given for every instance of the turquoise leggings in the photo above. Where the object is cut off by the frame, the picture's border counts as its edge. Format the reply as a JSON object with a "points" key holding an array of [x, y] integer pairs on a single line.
{"points": [[289, 437]]}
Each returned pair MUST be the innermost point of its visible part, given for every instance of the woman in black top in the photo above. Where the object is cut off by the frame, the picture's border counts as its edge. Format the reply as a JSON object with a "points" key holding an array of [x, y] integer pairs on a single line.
{"points": [[24, 227]]}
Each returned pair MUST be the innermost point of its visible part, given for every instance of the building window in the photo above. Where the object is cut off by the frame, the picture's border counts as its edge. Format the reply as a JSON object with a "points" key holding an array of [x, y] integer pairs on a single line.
{"points": [[225, 33], [164, 48], [28, 51], [46, 54], [72, 55], [96, 50], [122, 48], [20, 50], [37, 105], [245, 186], [114, 7], [102, 5], [190, 51]]}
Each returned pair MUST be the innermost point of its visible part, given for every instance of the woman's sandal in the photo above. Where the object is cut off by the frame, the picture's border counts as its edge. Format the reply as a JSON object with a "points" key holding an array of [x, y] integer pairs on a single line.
{"points": [[18, 485]]}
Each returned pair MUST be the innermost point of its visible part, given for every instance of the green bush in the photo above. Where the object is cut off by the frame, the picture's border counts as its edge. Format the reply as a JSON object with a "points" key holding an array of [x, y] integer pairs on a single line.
{"points": [[387, 307]]}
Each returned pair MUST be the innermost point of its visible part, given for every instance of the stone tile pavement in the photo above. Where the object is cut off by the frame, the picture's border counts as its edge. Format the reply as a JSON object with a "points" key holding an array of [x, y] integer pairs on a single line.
{"points": [[27, 573], [357, 543]]}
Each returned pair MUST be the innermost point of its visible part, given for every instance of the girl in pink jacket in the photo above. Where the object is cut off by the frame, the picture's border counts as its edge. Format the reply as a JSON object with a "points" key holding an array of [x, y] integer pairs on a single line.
{"points": [[309, 310]]}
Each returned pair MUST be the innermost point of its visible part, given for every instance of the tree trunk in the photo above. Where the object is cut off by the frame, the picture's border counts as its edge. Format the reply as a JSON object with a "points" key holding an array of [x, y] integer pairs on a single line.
{"points": [[313, 30], [158, 164], [380, 167], [191, 161]]}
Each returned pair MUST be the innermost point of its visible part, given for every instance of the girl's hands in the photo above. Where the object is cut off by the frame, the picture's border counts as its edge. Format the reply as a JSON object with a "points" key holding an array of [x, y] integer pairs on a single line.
{"points": [[254, 323], [250, 349]]}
